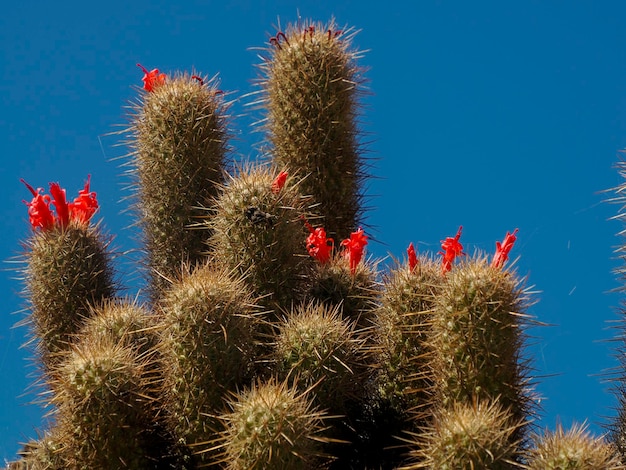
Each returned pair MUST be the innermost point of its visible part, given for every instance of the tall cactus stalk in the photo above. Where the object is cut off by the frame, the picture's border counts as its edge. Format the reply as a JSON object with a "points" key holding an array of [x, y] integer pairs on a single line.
{"points": [[477, 339], [208, 341], [310, 85], [179, 137]]}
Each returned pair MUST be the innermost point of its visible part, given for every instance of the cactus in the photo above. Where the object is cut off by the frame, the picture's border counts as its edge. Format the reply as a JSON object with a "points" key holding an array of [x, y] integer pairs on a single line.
{"points": [[575, 449], [315, 349], [103, 415], [40, 454], [123, 322], [207, 346], [310, 85], [477, 338], [68, 270], [258, 232], [403, 326], [271, 426], [468, 436], [356, 293], [268, 342], [178, 136]]}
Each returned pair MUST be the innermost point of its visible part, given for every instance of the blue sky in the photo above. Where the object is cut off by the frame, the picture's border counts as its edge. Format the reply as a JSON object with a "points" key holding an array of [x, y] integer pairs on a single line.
{"points": [[492, 115]]}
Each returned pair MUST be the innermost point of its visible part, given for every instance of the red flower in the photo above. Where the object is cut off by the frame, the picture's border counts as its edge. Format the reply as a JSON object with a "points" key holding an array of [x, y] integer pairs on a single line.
{"points": [[85, 205], [502, 249], [279, 182], [318, 245], [39, 213], [60, 204], [354, 248], [152, 79], [412, 257], [451, 249]]}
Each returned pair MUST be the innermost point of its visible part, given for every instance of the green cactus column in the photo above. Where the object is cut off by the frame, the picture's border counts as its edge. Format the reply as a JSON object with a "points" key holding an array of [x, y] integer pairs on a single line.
{"points": [[477, 339], [258, 232], [104, 415], [310, 86], [208, 344], [179, 140], [129, 325], [68, 270], [403, 330]]}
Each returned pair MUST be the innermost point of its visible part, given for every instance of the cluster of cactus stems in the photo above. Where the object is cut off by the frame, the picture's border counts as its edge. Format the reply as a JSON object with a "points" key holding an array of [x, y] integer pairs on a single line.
{"points": [[269, 340]]}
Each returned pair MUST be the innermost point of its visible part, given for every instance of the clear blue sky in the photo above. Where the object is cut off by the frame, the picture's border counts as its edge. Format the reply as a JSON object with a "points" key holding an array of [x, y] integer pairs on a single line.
{"points": [[492, 115]]}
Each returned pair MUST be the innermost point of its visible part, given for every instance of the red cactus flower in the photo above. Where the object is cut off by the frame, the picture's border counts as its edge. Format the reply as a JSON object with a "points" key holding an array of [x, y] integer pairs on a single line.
{"points": [[39, 213], [451, 249], [354, 248], [318, 245], [60, 204], [85, 205], [279, 182], [412, 257], [152, 79], [503, 249]]}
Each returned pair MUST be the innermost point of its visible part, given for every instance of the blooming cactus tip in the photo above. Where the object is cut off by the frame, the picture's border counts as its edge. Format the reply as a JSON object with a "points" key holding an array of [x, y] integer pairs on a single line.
{"points": [[41, 215], [318, 244], [451, 248], [151, 79], [354, 247], [503, 249]]}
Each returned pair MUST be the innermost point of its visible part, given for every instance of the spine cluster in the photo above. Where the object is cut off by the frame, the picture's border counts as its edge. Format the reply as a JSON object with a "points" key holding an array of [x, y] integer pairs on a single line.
{"points": [[269, 339]]}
